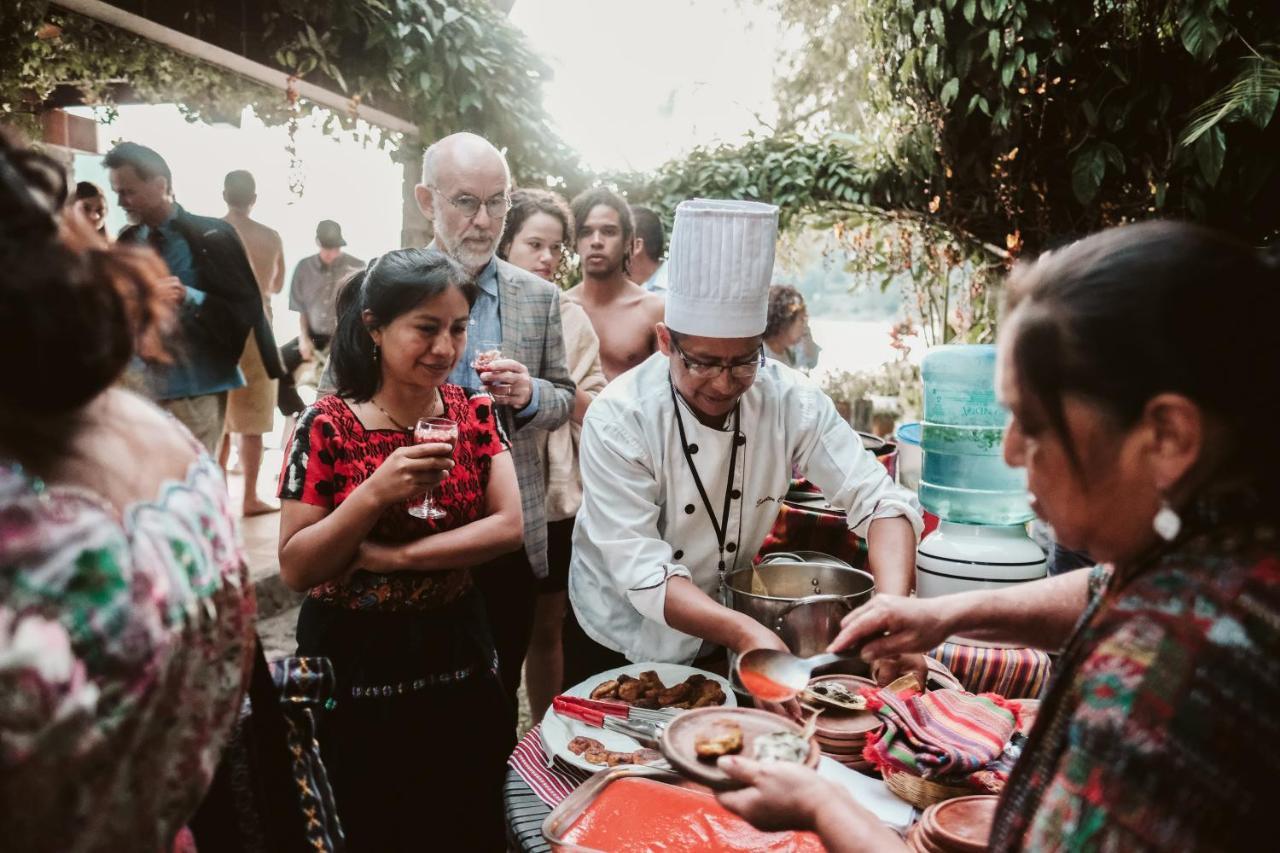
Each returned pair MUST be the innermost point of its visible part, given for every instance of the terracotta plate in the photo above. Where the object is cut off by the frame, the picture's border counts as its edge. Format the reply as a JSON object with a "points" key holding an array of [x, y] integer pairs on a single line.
{"points": [[837, 725], [678, 739], [964, 824]]}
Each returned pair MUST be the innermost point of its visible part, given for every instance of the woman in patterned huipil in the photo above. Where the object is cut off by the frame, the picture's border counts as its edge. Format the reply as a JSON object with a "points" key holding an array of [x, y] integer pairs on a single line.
{"points": [[126, 613], [416, 744], [1144, 405]]}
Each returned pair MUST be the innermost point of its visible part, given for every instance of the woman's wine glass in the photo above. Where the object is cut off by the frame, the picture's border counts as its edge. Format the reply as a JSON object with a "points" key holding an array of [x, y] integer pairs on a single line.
{"points": [[430, 431]]}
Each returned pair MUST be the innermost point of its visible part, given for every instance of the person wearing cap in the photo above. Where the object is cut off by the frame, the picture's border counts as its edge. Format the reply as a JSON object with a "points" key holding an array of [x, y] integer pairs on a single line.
{"points": [[687, 458], [313, 293]]}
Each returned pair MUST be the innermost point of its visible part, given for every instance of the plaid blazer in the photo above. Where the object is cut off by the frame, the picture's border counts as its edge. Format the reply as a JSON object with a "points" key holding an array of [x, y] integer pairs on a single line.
{"points": [[530, 309]]}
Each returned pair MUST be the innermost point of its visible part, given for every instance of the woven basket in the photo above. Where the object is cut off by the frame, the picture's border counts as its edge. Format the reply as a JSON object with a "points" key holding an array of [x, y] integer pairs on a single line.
{"points": [[922, 793]]}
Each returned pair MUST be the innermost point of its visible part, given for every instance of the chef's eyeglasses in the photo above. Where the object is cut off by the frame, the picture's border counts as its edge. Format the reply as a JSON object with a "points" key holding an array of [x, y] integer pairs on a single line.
{"points": [[469, 205], [706, 370]]}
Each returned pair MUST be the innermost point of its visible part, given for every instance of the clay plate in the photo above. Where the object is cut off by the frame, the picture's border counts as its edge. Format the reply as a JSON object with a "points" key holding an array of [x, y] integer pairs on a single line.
{"points": [[677, 741], [837, 725], [964, 824]]}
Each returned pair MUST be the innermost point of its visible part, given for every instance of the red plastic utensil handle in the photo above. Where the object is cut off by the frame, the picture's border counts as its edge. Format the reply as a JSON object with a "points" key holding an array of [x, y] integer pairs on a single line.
{"points": [[621, 709], [577, 712]]}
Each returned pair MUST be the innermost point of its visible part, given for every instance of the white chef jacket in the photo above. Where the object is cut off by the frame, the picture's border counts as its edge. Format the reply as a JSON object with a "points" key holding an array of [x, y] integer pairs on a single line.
{"points": [[643, 522]]}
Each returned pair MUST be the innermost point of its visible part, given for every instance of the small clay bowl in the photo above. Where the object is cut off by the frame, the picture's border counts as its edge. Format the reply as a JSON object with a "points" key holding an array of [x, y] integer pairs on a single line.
{"points": [[963, 825], [678, 738]]}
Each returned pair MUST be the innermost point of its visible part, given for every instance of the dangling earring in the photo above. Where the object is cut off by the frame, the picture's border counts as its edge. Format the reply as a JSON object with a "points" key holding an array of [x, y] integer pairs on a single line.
{"points": [[377, 353], [1166, 523]]}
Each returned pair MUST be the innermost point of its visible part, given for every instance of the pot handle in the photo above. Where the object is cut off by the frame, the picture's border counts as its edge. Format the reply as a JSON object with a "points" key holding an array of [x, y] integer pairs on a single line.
{"points": [[814, 599]]}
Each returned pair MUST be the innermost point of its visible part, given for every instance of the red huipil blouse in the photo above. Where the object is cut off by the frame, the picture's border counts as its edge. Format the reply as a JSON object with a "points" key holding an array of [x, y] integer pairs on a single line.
{"points": [[332, 453]]}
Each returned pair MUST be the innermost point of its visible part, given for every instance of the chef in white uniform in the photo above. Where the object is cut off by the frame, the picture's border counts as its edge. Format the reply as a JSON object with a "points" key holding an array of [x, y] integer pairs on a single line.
{"points": [[686, 459]]}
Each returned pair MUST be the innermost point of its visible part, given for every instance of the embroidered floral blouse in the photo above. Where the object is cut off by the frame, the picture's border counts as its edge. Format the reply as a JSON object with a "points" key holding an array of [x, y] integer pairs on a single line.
{"points": [[1163, 732], [332, 453], [125, 642]]}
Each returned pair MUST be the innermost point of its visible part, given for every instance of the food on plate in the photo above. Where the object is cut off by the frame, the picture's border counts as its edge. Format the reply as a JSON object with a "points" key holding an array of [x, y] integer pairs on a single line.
{"points": [[837, 694], [630, 689], [648, 691], [724, 738], [709, 693], [781, 746], [675, 695], [594, 752], [580, 745], [605, 690]]}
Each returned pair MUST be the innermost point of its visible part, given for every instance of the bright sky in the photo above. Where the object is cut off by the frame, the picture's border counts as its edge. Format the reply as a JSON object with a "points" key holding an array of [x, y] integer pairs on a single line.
{"points": [[639, 82]]}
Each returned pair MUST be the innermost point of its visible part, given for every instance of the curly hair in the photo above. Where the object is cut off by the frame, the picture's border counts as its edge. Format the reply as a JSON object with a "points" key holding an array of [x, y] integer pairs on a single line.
{"points": [[76, 310], [785, 304]]}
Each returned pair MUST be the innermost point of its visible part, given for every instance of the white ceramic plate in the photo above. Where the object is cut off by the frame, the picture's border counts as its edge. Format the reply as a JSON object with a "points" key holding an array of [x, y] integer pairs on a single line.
{"points": [[557, 731]]}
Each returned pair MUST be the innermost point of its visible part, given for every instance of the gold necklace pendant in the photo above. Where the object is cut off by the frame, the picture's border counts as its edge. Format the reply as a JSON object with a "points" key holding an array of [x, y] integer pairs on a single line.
{"points": [[387, 415]]}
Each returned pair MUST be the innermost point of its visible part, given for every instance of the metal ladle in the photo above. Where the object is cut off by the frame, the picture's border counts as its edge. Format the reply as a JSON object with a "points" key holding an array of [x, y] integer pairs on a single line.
{"points": [[788, 673]]}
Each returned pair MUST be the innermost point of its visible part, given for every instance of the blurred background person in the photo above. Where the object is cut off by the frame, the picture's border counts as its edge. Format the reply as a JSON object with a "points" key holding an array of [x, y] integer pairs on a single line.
{"points": [[251, 409], [538, 226], [1163, 465], [390, 596], [211, 285], [313, 293], [126, 612], [91, 203], [648, 269], [788, 321]]}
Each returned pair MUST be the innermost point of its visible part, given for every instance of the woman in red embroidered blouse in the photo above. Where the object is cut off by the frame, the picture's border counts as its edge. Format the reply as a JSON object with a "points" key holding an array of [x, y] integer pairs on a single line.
{"points": [[420, 731]]}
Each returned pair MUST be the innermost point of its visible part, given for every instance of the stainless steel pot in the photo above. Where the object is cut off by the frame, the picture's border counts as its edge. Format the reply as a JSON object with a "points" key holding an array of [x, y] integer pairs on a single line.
{"points": [[806, 594]]}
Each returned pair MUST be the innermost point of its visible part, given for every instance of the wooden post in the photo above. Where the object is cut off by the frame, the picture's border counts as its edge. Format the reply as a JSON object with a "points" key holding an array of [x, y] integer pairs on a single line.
{"points": [[415, 230]]}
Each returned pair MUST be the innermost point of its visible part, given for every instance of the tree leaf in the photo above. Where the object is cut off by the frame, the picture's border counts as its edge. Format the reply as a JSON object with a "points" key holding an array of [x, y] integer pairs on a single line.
{"points": [[950, 92], [451, 14], [970, 9], [1087, 172], [1211, 151]]}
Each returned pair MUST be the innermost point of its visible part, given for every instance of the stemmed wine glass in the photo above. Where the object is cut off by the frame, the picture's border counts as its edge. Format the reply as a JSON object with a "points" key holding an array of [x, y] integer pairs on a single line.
{"points": [[486, 353], [428, 431]]}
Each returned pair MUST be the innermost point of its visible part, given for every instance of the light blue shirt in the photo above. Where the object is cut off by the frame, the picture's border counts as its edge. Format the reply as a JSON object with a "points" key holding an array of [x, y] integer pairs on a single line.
{"points": [[189, 375], [486, 325]]}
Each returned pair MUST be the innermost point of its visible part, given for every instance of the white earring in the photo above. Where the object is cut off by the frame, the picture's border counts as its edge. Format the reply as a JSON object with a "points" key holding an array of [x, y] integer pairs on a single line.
{"points": [[1166, 524]]}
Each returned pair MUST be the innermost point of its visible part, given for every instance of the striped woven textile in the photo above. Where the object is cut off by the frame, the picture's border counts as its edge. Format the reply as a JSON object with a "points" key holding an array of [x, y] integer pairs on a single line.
{"points": [[1011, 673], [943, 734], [551, 784]]}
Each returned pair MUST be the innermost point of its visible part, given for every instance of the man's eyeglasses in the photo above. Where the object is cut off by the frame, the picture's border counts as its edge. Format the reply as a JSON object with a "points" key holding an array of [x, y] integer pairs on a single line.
{"points": [[706, 370], [469, 205]]}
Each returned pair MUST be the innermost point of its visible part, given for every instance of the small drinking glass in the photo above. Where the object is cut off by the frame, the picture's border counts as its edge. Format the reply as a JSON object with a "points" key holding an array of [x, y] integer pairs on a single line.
{"points": [[486, 353], [432, 431]]}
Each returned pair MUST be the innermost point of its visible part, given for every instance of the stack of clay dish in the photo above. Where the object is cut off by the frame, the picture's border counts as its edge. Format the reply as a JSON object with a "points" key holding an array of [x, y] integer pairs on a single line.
{"points": [[962, 825], [842, 734]]}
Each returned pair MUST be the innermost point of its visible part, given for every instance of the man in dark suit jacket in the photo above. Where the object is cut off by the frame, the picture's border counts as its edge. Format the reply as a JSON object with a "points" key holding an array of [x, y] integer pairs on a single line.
{"points": [[212, 285]]}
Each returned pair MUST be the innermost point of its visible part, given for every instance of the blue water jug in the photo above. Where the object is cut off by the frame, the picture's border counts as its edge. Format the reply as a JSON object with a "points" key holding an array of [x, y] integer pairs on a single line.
{"points": [[964, 477]]}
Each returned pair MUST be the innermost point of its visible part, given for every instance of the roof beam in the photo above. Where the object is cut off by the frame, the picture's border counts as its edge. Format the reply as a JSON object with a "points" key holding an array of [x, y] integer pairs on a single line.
{"points": [[234, 62]]}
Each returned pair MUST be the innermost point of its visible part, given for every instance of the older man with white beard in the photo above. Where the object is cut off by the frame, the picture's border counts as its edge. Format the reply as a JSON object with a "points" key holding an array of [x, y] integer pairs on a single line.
{"points": [[465, 193]]}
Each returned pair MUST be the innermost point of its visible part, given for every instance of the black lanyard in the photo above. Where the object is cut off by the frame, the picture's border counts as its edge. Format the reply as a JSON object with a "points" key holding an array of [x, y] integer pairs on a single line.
{"points": [[721, 527]]}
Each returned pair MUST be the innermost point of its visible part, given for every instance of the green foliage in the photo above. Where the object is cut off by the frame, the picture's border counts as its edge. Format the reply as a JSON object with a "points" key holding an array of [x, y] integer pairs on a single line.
{"points": [[1018, 123], [450, 66], [41, 48], [958, 134]]}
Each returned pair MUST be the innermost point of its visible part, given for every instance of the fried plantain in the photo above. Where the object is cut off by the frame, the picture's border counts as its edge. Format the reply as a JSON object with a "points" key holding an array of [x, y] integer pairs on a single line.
{"points": [[605, 690], [723, 739]]}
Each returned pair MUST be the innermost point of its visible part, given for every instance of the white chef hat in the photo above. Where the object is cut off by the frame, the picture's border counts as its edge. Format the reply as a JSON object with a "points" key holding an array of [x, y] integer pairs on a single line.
{"points": [[720, 267]]}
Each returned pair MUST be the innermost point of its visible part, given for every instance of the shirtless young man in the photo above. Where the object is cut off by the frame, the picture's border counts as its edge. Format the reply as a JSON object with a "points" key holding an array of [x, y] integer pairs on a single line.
{"points": [[622, 312]]}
